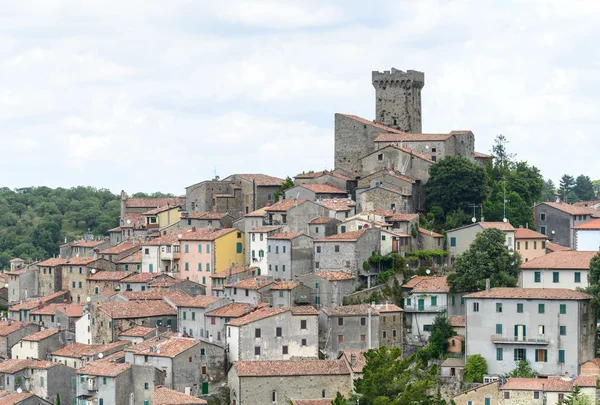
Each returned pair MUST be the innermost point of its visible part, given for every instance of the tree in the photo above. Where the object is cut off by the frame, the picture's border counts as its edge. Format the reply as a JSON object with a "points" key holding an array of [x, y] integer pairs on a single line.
{"points": [[584, 188], [594, 280], [486, 258], [523, 370], [454, 183], [548, 191], [287, 184], [566, 186], [502, 158], [475, 368], [339, 400], [576, 397], [57, 402], [441, 331]]}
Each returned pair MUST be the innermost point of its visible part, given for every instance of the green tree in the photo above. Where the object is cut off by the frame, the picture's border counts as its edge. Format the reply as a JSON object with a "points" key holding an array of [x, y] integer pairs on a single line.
{"points": [[502, 158], [566, 185], [486, 258], [339, 400], [454, 183], [57, 402], [523, 370], [441, 331], [287, 184], [475, 368], [594, 280], [548, 191], [584, 188], [576, 397]]}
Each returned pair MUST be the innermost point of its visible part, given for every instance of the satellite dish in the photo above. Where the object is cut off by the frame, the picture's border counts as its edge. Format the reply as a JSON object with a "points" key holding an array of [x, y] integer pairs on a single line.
{"points": [[88, 299], [128, 221], [504, 220], [6, 285], [93, 271], [553, 232], [19, 390], [473, 219], [428, 271], [426, 146], [100, 355], [179, 236]]}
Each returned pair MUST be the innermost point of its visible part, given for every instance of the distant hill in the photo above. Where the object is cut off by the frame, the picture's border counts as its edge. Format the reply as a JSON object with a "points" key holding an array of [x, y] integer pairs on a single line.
{"points": [[34, 221]]}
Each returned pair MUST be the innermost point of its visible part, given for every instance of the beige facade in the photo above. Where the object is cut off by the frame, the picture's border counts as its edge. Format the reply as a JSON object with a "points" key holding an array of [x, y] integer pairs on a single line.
{"points": [[478, 396]]}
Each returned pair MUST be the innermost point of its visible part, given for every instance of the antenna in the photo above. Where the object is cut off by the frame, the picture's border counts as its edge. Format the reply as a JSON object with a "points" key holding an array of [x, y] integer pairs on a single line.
{"points": [[505, 200]]}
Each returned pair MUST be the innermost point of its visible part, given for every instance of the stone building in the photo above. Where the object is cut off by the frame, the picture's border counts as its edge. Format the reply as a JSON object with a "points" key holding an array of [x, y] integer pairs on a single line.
{"points": [[132, 262], [231, 276], [314, 192], [558, 220], [252, 291], [460, 239], [38, 346], [14, 373], [203, 220], [552, 391], [393, 157], [391, 325], [339, 208], [329, 288], [22, 284], [289, 294], [289, 254], [120, 251], [386, 198], [165, 396], [47, 379], [339, 180], [434, 146], [427, 299], [486, 394], [279, 381], [568, 269], [322, 227], [137, 334], [105, 281], [346, 251], [79, 354], [274, 334], [50, 276], [217, 318], [552, 328], [429, 240], [21, 311], [190, 312], [11, 333], [75, 273], [83, 248]]}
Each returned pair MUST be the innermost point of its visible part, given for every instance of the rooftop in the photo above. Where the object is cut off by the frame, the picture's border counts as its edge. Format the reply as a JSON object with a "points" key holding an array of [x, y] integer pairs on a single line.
{"points": [[257, 315], [393, 217], [136, 309], [251, 283], [71, 310], [351, 310], [103, 368], [453, 362], [430, 233], [552, 384], [290, 368], [266, 229], [344, 237], [161, 347], [210, 216], [285, 285], [57, 261], [458, 321], [164, 208], [108, 275], [41, 335], [206, 234], [233, 271], [591, 225], [6, 328], [120, 248], [137, 331], [136, 257], [335, 275], [138, 277], [324, 188], [166, 396], [285, 236], [283, 206], [187, 301], [87, 243], [233, 310], [338, 204], [359, 356], [569, 208], [262, 179], [14, 398], [408, 137], [12, 366], [531, 293], [525, 233], [571, 259], [321, 220], [151, 202], [79, 350], [431, 284]]}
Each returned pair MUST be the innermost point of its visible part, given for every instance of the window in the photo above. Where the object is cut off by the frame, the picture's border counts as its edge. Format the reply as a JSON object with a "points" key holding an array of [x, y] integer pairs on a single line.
{"points": [[534, 244], [101, 401], [274, 396], [476, 307], [363, 321], [341, 321], [563, 330], [526, 245], [41, 381], [283, 267], [318, 249], [184, 315], [541, 355], [277, 249], [518, 245], [151, 267], [499, 354], [145, 385], [541, 330], [543, 244], [577, 277], [498, 307], [427, 328], [257, 350], [433, 158], [380, 156], [284, 350], [507, 394], [543, 230], [561, 397], [408, 302], [382, 237], [520, 354], [190, 359], [536, 395], [207, 266], [303, 324], [543, 216], [187, 266], [202, 352], [555, 277], [340, 338], [283, 249], [187, 248], [519, 308], [363, 338], [343, 227], [453, 241], [541, 308], [317, 300], [337, 248], [303, 342], [561, 356], [537, 277], [238, 247], [257, 333], [434, 301], [278, 332], [207, 248], [563, 309], [73, 284], [498, 329]]}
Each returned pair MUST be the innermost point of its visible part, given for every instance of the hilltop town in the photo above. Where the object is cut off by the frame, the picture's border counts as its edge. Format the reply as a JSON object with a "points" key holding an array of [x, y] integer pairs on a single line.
{"points": [[254, 289]]}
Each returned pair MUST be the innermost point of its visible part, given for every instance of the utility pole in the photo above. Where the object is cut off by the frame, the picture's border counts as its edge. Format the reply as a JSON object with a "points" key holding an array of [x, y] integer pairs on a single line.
{"points": [[504, 219], [475, 206]]}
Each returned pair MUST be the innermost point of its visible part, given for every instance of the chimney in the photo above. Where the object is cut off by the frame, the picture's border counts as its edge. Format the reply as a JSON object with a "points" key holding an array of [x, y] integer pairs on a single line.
{"points": [[558, 201], [353, 360], [487, 285], [193, 229]]}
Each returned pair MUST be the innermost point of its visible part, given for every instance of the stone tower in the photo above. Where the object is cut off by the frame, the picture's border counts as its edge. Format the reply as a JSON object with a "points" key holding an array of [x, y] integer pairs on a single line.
{"points": [[398, 99]]}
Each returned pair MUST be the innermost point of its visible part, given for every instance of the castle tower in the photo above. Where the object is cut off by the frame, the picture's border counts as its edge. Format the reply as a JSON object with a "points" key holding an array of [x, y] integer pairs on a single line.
{"points": [[398, 99]]}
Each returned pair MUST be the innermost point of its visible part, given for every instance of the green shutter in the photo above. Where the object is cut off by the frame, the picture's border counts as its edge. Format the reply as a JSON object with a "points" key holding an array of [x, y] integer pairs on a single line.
{"points": [[577, 277], [488, 401], [453, 241], [453, 297], [563, 309], [520, 308], [184, 315], [239, 247], [555, 277], [537, 277], [205, 388], [524, 331], [498, 329], [537, 357], [516, 330], [545, 356], [541, 308], [516, 353], [433, 301], [563, 330]]}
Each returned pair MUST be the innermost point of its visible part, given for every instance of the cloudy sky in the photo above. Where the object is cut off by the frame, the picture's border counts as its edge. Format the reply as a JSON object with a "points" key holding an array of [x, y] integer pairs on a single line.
{"points": [[147, 95]]}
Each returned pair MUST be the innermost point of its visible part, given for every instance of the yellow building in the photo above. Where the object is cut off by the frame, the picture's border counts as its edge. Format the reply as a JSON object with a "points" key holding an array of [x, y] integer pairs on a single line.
{"points": [[162, 216], [208, 251]]}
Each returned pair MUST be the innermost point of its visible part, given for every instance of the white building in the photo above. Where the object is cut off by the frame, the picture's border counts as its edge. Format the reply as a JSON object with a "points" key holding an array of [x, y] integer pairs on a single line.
{"points": [[252, 290], [274, 334], [587, 236], [37, 346], [564, 269], [460, 239], [258, 246], [555, 329], [427, 299], [83, 332]]}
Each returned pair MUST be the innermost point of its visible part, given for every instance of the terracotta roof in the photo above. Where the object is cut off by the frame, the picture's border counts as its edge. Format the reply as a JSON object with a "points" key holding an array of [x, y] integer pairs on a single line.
{"points": [[335, 275], [432, 284], [480, 155], [233, 310], [568, 208], [552, 384], [350, 310], [15, 398], [12, 366], [57, 261], [531, 293], [134, 219], [391, 217], [120, 248], [412, 137], [160, 347], [252, 283], [164, 208], [151, 202], [321, 220], [43, 364], [117, 357], [154, 294], [261, 212], [414, 281], [316, 175], [103, 368], [138, 278], [359, 355], [525, 233], [187, 301], [453, 362], [233, 271], [80, 261], [290, 368], [133, 258], [137, 331], [586, 381], [6, 329], [503, 226], [283, 205], [165, 396], [586, 203], [383, 308], [344, 237], [303, 310], [338, 204], [266, 229], [373, 123], [458, 321], [211, 216], [286, 235], [87, 243], [35, 302], [41, 335], [405, 150], [136, 309], [261, 179], [109, 275], [285, 285], [572, 259], [168, 239], [591, 225], [79, 350], [555, 247], [324, 188], [207, 234], [257, 315], [430, 233], [70, 310]]}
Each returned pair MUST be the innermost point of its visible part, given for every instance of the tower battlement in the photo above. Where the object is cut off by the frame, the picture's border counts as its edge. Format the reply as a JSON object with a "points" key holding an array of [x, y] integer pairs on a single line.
{"points": [[396, 77]]}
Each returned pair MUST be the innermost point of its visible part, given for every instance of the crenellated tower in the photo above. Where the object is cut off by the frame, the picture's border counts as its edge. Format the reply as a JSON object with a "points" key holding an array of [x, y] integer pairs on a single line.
{"points": [[398, 99]]}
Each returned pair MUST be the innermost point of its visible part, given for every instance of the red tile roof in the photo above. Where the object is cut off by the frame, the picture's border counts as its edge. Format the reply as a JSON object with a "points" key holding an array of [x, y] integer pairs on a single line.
{"points": [[103, 368], [12, 366], [586, 381], [207, 234], [164, 208], [338, 204], [432, 285], [233, 271], [57, 261], [187, 301], [252, 283], [120, 248], [325, 188], [34, 303], [350, 310], [552, 384], [285, 285], [572, 259], [531, 293], [503, 226], [138, 278], [391, 217], [87, 243], [160, 347], [262, 179], [383, 308], [344, 237], [6, 329], [79, 350], [524, 233], [154, 294], [414, 281], [265, 229], [168, 239], [569, 209], [408, 137], [210, 216], [137, 331], [165, 396], [283, 205], [108, 275], [257, 315], [286, 236], [290, 368], [458, 321], [133, 258], [359, 356], [321, 220], [233, 310], [591, 225], [554, 247], [261, 212], [136, 309], [41, 335], [480, 155], [335, 275], [151, 202], [71, 310], [15, 398], [430, 233]]}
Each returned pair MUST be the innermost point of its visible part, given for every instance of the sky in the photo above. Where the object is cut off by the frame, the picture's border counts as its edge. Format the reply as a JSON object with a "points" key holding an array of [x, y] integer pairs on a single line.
{"points": [[145, 95]]}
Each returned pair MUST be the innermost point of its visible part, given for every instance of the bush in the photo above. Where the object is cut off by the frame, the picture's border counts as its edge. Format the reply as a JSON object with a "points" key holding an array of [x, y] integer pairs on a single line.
{"points": [[475, 368]]}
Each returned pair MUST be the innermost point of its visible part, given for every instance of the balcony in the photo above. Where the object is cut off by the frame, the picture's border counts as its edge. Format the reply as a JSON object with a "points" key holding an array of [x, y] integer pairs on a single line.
{"points": [[429, 308], [519, 340], [91, 384]]}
